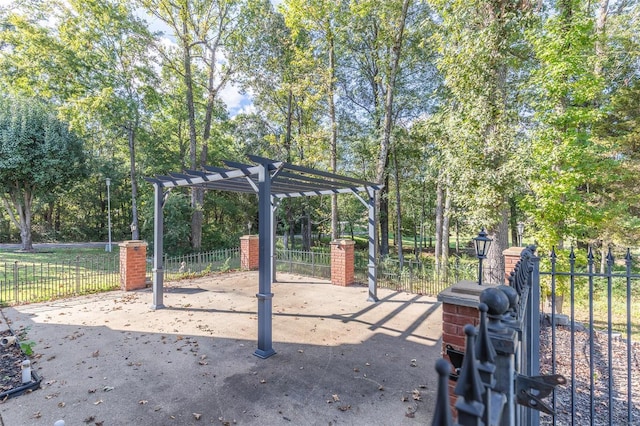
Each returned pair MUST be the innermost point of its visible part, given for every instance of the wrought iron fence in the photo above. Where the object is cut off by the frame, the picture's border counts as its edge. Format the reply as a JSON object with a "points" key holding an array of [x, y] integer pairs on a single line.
{"points": [[310, 263], [416, 276], [592, 339], [197, 264], [498, 381], [589, 350], [23, 282]]}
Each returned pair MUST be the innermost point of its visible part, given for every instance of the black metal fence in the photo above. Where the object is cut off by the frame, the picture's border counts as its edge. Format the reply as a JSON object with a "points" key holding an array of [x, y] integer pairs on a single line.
{"points": [[24, 282], [592, 339], [589, 351], [310, 263], [419, 276], [197, 264]]}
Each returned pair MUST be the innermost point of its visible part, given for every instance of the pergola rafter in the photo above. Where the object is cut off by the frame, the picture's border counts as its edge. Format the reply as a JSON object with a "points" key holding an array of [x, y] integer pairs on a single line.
{"points": [[271, 181]]}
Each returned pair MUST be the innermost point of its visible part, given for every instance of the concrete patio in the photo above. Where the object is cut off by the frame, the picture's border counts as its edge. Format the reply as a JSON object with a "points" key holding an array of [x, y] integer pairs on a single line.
{"points": [[107, 359]]}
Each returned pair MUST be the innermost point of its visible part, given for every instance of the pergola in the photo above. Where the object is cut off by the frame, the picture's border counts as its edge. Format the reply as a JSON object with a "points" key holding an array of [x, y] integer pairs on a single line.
{"points": [[272, 181]]}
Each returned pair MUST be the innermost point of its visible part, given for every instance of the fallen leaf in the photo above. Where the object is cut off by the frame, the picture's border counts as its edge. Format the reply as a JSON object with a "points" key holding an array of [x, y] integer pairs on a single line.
{"points": [[344, 407], [380, 388], [89, 419], [98, 402], [416, 395], [142, 401], [96, 354], [92, 390], [108, 388], [335, 397], [263, 381], [197, 416], [36, 415], [61, 404], [404, 398]]}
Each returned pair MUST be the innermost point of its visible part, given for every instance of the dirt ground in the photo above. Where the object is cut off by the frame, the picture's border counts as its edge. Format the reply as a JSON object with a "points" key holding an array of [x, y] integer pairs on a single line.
{"points": [[107, 359]]}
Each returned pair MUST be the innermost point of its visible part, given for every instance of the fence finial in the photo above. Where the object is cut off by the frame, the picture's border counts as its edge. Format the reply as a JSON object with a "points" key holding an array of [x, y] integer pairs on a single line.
{"points": [[442, 415], [469, 388]]}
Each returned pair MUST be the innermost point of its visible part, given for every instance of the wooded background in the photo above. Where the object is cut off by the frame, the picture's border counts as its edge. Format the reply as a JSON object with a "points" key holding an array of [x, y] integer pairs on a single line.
{"points": [[472, 113]]}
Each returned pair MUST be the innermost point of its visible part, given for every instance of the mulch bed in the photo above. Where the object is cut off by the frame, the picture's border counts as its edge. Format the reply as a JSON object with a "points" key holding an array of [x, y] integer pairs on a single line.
{"points": [[562, 360], [11, 357]]}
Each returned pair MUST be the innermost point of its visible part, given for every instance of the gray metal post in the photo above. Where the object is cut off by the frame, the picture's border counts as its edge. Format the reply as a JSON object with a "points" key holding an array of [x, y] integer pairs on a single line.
{"points": [[265, 274], [158, 232], [373, 239], [532, 367], [274, 206]]}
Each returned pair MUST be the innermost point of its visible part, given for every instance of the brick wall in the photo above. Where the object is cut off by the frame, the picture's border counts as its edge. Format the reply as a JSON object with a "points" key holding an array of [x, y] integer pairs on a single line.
{"points": [[133, 264], [511, 257], [342, 262], [249, 252]]}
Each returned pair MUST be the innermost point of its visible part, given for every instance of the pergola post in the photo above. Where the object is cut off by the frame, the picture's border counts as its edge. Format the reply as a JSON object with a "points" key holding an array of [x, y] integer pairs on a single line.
{"points": [[265, 275], [274, 206], [158, 231], [373, 238]]}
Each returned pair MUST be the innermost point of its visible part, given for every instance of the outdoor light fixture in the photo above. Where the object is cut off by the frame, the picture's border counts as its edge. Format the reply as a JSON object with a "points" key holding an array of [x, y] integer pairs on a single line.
{"points": [[482, 243], [109, 211], [520, 228]]}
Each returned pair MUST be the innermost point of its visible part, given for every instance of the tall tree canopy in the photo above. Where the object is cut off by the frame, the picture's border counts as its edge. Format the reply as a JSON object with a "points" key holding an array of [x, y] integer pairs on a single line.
{"points": [[38, 155]]}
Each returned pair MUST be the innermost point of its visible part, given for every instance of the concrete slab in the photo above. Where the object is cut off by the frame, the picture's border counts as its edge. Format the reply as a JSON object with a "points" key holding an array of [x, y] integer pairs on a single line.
{"points": [[107, 359]]}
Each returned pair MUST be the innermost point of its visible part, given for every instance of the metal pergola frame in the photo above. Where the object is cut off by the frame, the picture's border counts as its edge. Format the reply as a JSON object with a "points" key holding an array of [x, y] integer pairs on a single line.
{"points": [[271, 181]]}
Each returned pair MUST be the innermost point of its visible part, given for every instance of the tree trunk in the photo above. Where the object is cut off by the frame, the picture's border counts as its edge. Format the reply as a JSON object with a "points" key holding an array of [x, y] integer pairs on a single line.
{"points": [[196, 197], [21, 202], [493, 272], [438, 232], [446, 216], [385, 140], [333, 143], [398, 211], [600, 36], [135, 229], [384, 218]]}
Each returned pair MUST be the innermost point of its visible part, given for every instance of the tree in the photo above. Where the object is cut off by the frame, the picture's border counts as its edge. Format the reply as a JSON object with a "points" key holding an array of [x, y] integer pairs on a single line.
{"points": [[38, 155], [478, 41]]}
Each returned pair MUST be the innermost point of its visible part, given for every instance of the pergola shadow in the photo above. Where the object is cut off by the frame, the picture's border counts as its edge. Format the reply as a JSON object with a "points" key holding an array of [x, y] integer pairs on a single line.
{"points": [[272, 181]]}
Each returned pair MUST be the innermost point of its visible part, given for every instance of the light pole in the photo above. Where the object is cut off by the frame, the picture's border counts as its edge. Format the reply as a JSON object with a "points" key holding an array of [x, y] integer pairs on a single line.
{"points": [[520, 229], [482, 243], [109, 212]]}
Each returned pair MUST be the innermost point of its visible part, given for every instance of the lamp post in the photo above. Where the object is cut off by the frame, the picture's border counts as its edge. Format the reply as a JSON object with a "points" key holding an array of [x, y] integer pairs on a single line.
{"points": [[109, 212], [482, 243], [520, 229]]}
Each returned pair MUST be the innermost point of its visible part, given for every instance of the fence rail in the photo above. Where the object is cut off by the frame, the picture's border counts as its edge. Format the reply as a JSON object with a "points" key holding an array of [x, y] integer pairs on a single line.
{"points": [[177, 267], [23, 282], [416, 276], [310, 263]]}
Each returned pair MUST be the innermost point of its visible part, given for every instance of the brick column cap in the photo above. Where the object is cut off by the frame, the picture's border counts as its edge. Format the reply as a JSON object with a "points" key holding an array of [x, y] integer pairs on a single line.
{"points": [[513, 251], [249, 237], [463, 293], [132, 243], [343, 242]]}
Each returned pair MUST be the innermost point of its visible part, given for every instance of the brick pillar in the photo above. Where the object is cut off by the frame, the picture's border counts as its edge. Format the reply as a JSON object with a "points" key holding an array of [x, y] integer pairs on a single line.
{"points": [[249, 252], [133, 265], [459, 308], [511, 257], [342, 262]]}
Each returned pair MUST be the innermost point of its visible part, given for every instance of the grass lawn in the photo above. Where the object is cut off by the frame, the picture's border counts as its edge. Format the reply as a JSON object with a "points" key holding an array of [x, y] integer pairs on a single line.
{"points": [[55, 273]]}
